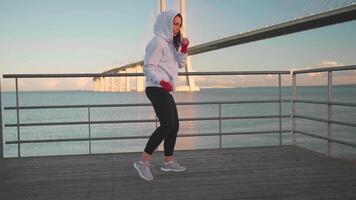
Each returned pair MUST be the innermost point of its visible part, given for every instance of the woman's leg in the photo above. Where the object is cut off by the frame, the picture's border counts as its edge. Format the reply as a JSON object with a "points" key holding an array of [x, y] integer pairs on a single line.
{"points": [[161, 101], [170, 164], [170, 140]]}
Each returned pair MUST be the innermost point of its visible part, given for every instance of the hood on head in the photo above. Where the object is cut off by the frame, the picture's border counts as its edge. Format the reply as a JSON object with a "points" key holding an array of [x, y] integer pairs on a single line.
{"points": [[164, 25]]}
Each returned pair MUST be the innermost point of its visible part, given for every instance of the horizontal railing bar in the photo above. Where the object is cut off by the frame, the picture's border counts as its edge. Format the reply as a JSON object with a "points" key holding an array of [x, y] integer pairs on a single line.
{"points": [[91, 75], [325, 120], [78, 106], [343, 123], [199, 135], [143, 120], [233, 73], [311, 118], [143, 137], [77, 139], [254, 117], [78, 75], [144, 104], [233, 133], [255, 132], [335, 103], [48, 140], [325, 138], [325, 69], [199, 119], [80, 123], [232, 102], [103, 138]]}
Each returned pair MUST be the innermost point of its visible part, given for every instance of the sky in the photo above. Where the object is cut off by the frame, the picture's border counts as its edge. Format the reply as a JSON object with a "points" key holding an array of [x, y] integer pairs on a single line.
{"points": [[82, 36]]}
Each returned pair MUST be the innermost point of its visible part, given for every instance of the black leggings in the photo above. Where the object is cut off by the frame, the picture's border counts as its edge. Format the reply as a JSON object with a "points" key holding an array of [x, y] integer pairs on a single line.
{"points": [[166, 111]]}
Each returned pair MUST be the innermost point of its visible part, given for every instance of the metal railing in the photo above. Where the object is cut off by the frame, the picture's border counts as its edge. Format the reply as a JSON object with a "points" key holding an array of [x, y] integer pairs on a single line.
{"points": [[330, 140], [90, 122], [220, 118]]}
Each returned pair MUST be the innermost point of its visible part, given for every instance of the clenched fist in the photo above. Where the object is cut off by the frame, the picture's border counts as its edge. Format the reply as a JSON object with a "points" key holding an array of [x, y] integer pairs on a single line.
{"points": [[184, 45]]}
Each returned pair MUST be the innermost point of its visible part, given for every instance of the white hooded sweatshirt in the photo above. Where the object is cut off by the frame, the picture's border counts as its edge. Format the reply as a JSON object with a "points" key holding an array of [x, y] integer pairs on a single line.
{"points": [[162, 60]]}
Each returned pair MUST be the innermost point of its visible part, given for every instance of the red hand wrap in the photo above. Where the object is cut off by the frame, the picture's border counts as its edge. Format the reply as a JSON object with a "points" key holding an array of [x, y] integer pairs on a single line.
{"points": [[166, 85], [184, 48]]}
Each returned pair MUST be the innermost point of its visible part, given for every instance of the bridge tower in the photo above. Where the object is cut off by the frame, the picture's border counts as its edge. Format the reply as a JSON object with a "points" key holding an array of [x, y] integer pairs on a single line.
{"points": [[190, 83]]}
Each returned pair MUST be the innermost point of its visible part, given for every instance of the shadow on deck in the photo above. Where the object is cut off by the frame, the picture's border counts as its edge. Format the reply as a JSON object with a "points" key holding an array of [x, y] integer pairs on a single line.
{"points": [[282, 172]]}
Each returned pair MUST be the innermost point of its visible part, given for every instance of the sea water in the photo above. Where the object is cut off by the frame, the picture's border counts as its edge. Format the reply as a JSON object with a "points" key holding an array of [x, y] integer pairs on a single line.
{"points": [[345, 93]]}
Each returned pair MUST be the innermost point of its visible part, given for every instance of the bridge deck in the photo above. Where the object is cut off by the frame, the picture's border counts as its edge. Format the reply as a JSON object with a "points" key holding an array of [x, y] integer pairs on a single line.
{"points": [[285, 172]]}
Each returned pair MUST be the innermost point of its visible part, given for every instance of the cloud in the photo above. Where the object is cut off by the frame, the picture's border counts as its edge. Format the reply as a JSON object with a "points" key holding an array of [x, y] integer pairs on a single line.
{"points": [[329, 64], [323, 64], [346, 73], [82, 82], [313, 75], [320, 78]]}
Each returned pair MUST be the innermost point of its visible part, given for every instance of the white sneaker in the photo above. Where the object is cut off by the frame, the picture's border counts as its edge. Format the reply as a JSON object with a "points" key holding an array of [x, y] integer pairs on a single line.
{"points": [[172, 166], [143, 169]]}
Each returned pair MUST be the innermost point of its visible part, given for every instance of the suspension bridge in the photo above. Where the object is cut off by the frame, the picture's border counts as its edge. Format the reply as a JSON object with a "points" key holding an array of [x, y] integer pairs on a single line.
{"points": [[328, 16]]}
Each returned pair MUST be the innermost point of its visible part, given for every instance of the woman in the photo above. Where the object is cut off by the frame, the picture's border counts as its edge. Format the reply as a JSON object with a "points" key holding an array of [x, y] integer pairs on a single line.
{"points": [[162, 60]]}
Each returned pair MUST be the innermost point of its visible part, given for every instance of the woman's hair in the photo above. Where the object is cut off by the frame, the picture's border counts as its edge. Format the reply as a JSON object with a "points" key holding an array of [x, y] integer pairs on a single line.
{"points": [[177, 38]]}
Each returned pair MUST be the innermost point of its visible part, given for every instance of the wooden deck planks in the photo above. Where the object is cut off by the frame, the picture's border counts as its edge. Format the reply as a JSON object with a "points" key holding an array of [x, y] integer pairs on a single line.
{"points": [[285, 172]]}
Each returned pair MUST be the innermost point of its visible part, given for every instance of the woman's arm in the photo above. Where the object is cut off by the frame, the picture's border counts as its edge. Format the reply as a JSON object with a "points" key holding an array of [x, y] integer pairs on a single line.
{"points": [[182, 59], [182, 55], [153, 55]]}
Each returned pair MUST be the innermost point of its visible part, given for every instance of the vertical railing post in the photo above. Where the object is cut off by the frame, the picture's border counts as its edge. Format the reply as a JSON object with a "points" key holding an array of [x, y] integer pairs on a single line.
{"points": [[89, 129], [330, 131], [280, 108], [1, 129], [220, 136], [18, 118], [294, 92]]}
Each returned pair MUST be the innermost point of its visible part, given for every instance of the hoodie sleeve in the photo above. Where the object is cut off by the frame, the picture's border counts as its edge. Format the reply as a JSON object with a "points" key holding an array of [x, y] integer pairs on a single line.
{"points": [[153, 54], [182, 59]]}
